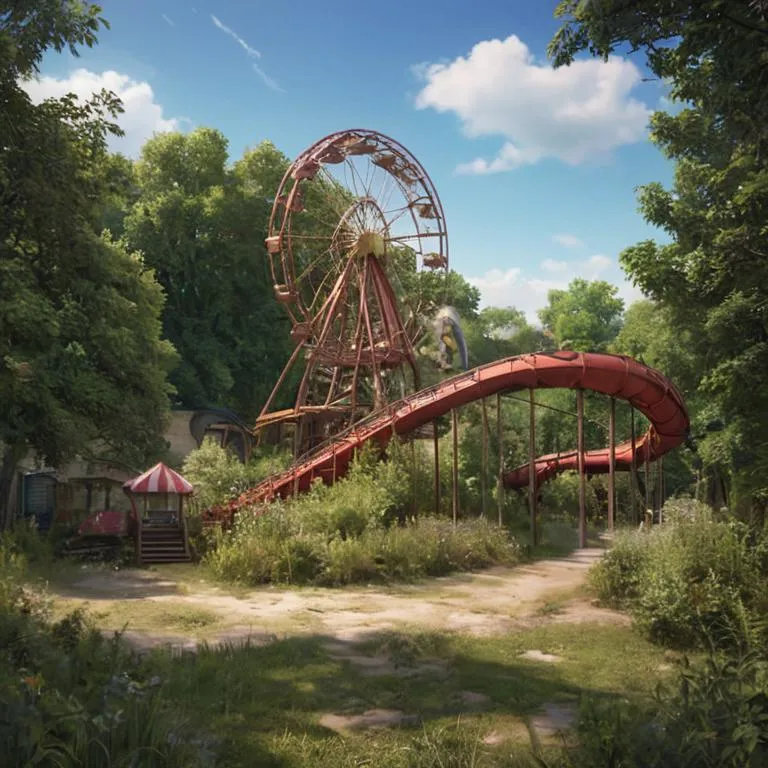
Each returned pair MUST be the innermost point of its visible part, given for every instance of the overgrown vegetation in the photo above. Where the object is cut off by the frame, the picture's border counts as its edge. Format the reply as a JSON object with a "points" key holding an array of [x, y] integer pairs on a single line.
{"points": [[714, 713], [218, 475], [69, 696], [355, 531], [696, 581]]}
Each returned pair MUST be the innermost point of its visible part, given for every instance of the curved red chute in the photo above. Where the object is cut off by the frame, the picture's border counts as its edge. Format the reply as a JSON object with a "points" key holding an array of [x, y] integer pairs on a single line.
{"points": [[617, 376]]}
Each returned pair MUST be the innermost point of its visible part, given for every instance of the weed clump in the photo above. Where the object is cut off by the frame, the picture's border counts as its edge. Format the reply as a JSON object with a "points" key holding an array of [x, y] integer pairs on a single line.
{"points": [[693, 581], [356, 531], [68, 695]]}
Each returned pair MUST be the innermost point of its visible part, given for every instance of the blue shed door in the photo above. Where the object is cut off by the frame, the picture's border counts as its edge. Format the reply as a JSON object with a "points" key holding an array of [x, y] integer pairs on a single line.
{"points": [[40, 499]]}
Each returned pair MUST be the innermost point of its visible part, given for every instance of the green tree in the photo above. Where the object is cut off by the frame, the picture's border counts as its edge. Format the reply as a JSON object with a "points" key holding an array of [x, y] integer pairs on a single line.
{"points": [[585, 317], [201, 226], [714, 273], [82, 363], [498, 332]]}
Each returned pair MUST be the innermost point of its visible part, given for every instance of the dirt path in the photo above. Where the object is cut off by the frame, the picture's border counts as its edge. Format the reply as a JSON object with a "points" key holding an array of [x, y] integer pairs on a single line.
{"points": [[491, 602]]}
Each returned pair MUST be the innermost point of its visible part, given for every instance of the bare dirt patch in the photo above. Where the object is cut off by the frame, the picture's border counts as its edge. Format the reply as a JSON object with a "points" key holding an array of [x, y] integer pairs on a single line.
{"points": [[547, 658], [373, 718], [481, 604]]}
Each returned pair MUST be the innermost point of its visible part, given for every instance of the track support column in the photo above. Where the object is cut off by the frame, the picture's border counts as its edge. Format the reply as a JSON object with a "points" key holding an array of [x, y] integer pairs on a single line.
{"points": [[436, 447], [455, 484], [532, 468], [414, 478], [484, 469], [633, 469], [582, 478], [500, 480], [660, 462], [647, 460], [612, 466]]}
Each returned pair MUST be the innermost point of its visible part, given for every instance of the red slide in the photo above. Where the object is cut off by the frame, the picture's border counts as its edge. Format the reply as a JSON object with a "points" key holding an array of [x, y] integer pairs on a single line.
{"points": [[617, 376]]}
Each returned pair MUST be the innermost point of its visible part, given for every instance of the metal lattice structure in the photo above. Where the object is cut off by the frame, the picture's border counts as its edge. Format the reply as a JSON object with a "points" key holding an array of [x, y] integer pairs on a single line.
{"points": [[355, 217]]}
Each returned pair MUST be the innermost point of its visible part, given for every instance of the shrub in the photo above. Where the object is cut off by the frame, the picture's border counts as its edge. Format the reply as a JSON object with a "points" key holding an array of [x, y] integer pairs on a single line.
{"points": [[345, 509], [690, 581], [69, 696], [218, 475], [276, 548], [619, 576], [349, 561], [715, 713]]}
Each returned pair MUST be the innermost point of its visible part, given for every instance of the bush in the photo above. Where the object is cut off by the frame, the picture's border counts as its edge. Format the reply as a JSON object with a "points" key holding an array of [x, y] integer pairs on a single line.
{"points": [[218, 475], [691, 581], [714, 714], [276, 548], [69, 696]]}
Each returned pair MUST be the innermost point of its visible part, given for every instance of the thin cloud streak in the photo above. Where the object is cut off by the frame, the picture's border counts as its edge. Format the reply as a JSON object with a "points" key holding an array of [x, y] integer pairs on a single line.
{"points": [[268, 81], [167, 20], [239, 40], [250, 51]]}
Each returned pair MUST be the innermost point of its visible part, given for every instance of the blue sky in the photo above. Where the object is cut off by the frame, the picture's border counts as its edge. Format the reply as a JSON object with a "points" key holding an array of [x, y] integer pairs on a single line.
{"points": [[536, 169]]}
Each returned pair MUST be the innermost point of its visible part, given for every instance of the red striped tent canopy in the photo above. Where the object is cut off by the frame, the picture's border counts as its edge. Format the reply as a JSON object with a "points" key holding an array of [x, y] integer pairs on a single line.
{"points": [[159, 479]]}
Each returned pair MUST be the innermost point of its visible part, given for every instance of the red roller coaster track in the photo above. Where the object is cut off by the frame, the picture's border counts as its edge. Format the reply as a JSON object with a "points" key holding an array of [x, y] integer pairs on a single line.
{"points": [[616, 376]]}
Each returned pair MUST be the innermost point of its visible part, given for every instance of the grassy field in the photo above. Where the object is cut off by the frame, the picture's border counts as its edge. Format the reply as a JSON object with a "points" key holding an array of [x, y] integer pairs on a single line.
{"points": [[453, 698], [471, 702]]}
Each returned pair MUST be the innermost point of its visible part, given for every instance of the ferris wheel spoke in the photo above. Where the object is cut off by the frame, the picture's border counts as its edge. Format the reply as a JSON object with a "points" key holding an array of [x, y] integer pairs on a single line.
{"points": [[356, 173], [332, 183], [320, 297], [370, 173], [389, 186], [415, 236], [325, 223], [314, 263], [308, 237], [403, 212], [402, 208]]}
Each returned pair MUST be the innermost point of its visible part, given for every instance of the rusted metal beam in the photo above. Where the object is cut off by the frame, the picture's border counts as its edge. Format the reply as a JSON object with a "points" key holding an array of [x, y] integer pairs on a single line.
{"points": [[612, 465], [484, 469], [582, 478], [436, 446], [500, 480], [455, 484], [532, 468], [647, 482], [633, 469]]}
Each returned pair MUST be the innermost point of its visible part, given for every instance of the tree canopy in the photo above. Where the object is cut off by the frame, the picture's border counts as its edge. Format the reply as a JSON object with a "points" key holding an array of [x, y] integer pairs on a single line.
{"points": [[82, 362], [713, 277], [586, 317], [201, 225]]}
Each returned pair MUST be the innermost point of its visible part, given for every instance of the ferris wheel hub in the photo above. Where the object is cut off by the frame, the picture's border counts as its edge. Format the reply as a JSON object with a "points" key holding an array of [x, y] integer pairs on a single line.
{"points": [[371, 243]]}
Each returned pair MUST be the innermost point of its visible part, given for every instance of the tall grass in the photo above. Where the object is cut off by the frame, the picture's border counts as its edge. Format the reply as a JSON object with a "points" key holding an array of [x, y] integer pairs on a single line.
{"points": [[693, 581], [356, 531], [71, 697]]}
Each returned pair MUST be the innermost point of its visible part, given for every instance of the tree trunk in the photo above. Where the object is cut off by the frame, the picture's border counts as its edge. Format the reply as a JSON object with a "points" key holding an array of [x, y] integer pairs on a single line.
{"points": [[12, 454]]}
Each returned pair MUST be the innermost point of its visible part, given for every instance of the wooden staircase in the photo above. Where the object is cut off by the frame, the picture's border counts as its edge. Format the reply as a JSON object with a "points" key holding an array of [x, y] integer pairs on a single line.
{"points": [[163, 544]]}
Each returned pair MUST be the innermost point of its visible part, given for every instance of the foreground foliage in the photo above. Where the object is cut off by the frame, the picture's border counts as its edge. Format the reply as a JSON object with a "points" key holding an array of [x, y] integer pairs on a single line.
{"points": [[69, 696], [693, 582]]}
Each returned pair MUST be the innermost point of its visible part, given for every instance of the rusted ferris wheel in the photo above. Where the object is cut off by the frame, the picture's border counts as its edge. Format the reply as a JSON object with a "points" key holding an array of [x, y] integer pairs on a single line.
{"points": [[355, 218]]}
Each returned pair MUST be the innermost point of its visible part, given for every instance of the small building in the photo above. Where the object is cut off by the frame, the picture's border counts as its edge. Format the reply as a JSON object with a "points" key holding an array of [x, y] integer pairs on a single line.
{"points": [[72, 493]]}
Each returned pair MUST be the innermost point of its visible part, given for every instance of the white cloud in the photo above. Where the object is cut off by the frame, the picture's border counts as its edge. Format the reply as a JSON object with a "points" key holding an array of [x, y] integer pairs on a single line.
{"points": [[552, 266], [528, 290], [572, 114], [142, 118], [568, 241], [250, 50]]}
